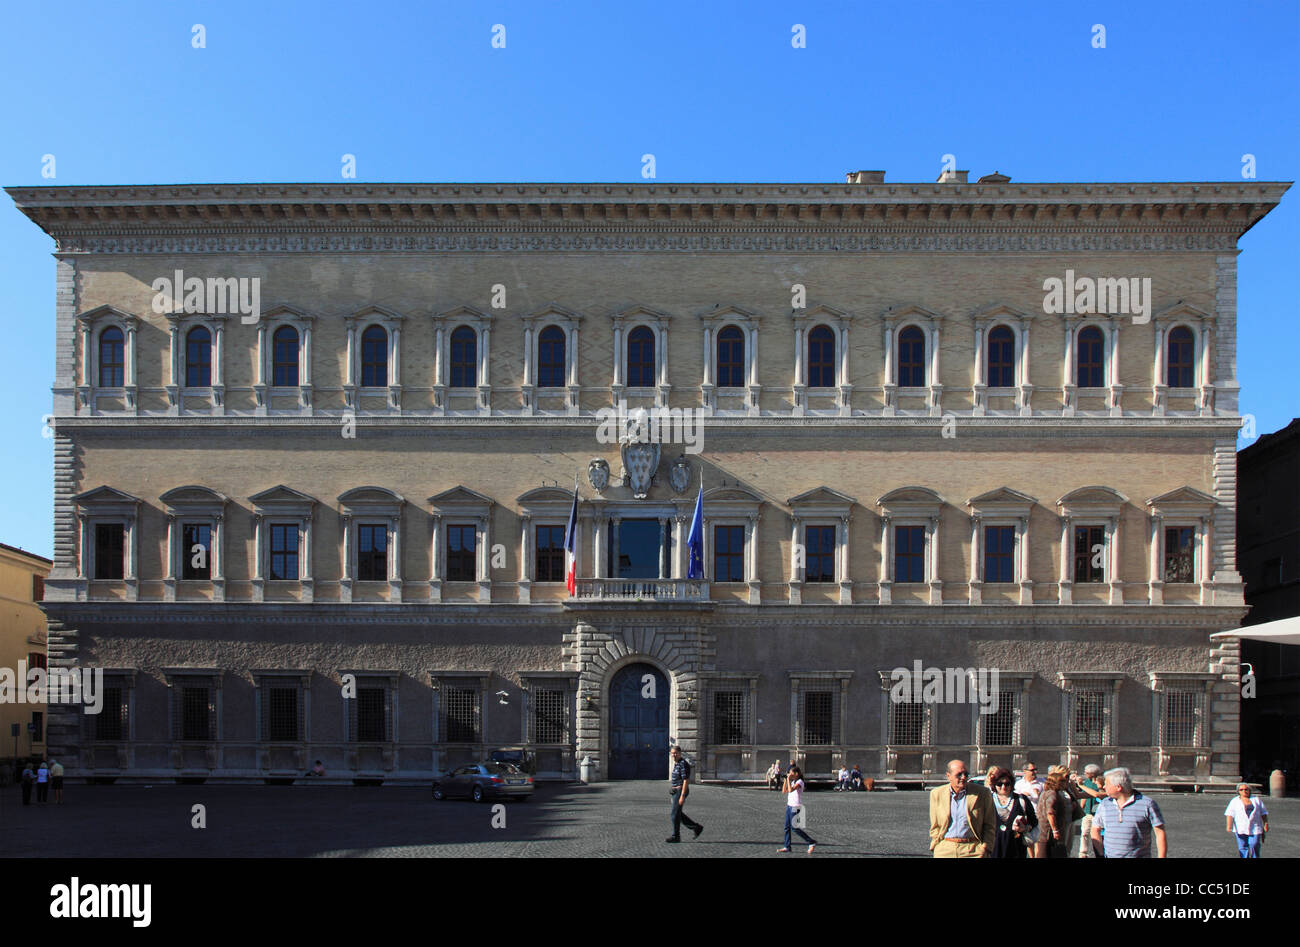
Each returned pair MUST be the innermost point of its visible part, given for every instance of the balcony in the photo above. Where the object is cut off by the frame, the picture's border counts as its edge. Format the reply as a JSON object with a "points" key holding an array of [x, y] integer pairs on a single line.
{"points": [[641, 590]]}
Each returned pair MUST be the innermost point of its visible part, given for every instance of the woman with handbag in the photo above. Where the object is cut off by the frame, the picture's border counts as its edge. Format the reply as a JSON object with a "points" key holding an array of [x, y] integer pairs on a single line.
{"points": [[1016, 817], [1054, 815]]}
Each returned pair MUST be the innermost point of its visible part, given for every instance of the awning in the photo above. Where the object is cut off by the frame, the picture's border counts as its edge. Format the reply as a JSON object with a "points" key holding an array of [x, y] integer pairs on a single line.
{"points": [[1282, 631]]}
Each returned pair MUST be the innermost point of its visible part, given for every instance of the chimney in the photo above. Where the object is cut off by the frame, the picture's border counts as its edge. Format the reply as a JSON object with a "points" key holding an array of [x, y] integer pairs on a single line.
{"points": [[997, 177], [865, 177], [953, 177]]}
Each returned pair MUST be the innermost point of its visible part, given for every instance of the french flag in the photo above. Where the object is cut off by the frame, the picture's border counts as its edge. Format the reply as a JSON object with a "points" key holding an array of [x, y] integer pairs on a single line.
{"points": [[571, 546]]}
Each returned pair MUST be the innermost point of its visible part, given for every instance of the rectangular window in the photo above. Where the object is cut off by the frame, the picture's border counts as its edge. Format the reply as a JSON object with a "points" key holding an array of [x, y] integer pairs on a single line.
{"points": [[549, 563], [37, 659], [818, 717], [728, 554], [460, 553], [1000, 726], [909, 553], [110, 549], [999, 553], [460, 715], [1089, 554], [284, 552], [729, 718], [196, 551], [282, 711], [111, 722], [38, 588], [38, 726], [196, 713], [372, 552], [1088, 718], [372, 715], [549, 717], [819, 553], [1179, 724], [906, 723], [1180, 554]]}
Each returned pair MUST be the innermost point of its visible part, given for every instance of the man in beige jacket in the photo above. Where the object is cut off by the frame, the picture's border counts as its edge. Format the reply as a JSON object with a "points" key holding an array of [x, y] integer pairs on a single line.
{"points": [[962, 820]]}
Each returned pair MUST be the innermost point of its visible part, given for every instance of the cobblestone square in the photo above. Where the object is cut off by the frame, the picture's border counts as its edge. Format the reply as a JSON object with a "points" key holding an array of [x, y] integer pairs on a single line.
{"points": [[607, 820]]}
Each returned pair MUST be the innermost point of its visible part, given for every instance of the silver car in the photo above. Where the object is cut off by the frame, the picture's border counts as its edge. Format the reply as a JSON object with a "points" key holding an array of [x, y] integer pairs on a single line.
{"points": [[481, 781]]}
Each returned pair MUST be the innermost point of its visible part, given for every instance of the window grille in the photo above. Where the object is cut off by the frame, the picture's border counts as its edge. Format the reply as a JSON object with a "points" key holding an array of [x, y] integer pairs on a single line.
{"points": [[1088, 717], [730, 718], [371, 715], [818, 717], [111, 722], [1180, 718], [282, 714], [550, 718], [460, 715], [1000, 726], [193, 712], [906, 723]]}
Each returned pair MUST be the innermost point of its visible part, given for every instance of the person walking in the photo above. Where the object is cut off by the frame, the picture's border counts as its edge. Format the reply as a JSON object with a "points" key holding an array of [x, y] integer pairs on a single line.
{"points": [[1248, 820], [56, 780], [1054, 804], [43, 783], [1126, 820], [1016, 816], [1090, 786], [680, 786], [794, 809], [962, 821], [28, 779]]}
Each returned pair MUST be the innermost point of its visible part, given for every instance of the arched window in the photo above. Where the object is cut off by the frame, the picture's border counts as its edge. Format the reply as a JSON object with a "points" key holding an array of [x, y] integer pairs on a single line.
{"points": [[821, 358], [374, 358], [1091, 369], [641, 358], [464, 357], [731, 358], [1182, 358], [911, 358], [550, 358], [284, 357], [112, 359], [198, 358], [1002, 357]]}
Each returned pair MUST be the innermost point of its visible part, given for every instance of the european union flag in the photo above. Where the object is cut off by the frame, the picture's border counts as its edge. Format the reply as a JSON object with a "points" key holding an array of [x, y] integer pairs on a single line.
{"points": [[695, 539]]}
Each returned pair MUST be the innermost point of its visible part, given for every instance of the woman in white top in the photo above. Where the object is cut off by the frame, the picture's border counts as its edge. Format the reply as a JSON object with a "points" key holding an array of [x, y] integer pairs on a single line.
{"points": [[1248, 820], [793, 789]]}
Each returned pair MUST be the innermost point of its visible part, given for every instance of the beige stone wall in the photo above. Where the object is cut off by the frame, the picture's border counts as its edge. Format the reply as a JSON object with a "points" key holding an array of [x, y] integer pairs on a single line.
{"points": [[865, 285]]}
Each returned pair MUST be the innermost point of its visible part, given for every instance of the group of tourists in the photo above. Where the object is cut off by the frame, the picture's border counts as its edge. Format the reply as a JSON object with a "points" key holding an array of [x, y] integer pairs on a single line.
{"points": [[42, 776], [1094, 816]]}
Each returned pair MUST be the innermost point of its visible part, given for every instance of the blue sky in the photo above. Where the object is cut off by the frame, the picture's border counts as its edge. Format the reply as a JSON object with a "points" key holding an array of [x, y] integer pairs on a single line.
{"points": [[117, 93]]}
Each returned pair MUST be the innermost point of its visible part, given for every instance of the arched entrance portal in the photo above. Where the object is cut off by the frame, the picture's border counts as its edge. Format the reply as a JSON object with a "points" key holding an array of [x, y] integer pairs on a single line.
{"points": [[638, 723]]}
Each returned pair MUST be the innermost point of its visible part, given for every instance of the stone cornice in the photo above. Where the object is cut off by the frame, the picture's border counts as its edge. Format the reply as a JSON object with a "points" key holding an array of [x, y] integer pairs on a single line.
{"points": [[288, 218], [1122, 618]]}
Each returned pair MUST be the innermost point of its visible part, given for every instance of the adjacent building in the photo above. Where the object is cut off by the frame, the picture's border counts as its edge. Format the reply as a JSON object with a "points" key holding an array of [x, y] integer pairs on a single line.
{"points": [[22, 648], [316, 447]]}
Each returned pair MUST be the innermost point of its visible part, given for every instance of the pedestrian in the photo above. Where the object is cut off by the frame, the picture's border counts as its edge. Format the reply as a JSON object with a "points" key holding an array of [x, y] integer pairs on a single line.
{"points": [[963, 823], [43, 783], [1248, 820], [1030, 784], [1090, 785], [795, 814], [28, 779], [56, 780], [679, 786], [1016, 816], [1126, 820], [1054, 820]]}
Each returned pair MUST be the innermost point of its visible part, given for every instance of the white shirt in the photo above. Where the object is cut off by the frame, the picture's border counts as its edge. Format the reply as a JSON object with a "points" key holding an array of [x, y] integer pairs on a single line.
{"points": [[1031, 788], [1243, 824], [795, 796]]}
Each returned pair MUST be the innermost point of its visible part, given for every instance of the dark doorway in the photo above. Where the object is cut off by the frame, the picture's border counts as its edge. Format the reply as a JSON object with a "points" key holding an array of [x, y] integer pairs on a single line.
{"points": [[639, 549], [638, 723]]}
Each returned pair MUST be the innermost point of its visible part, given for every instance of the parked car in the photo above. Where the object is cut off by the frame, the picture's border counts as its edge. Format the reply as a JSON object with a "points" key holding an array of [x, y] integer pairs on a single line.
{"points": [[517, 756], [480, 781]]}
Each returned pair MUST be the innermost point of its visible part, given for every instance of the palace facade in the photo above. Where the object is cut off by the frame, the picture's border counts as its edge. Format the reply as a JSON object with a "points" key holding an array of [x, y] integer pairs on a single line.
{"points": [[333, 528]]}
